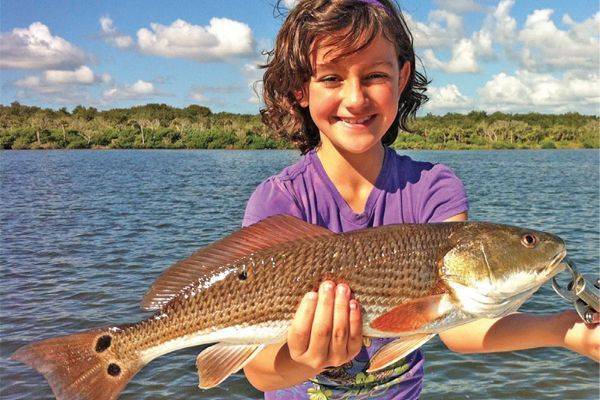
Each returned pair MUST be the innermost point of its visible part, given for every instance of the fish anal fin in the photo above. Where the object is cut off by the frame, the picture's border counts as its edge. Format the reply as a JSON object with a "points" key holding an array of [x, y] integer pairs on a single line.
{"points": [[414, 314], [271, 231], [217, 362], [394, 351]]}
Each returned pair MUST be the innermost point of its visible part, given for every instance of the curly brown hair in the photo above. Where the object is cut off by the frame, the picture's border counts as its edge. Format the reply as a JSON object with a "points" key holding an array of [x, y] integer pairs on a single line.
{"points": [[350, 25]]}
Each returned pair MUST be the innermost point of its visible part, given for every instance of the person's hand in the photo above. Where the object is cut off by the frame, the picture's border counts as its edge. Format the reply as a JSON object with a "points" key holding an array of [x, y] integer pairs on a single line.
{"points": [[579, 336], [327, 328]]}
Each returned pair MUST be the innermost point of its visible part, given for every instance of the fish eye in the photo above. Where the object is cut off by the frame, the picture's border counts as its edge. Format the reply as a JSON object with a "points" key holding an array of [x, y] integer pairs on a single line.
{"points": [[529, 240]]}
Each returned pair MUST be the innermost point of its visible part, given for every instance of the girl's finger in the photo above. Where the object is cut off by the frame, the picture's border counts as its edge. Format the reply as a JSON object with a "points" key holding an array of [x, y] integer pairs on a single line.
{"points": [[339, 333], [299, 332], [355, 338], [320, 334]]}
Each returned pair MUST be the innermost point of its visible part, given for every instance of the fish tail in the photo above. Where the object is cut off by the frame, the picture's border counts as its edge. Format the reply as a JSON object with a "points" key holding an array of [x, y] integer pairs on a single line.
{"points": [[82, 366]]}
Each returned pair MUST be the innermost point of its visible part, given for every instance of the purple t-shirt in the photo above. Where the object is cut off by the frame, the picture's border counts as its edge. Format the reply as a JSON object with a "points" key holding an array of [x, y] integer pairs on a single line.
{"points": [[406, 191]]}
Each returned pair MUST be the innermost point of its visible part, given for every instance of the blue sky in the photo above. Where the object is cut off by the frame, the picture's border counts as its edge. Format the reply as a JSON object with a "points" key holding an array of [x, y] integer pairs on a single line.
{"points": [[505, 55]]}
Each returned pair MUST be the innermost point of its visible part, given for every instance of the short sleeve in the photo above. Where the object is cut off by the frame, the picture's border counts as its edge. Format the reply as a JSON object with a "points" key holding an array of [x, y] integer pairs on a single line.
{"points": [[444, 197], [271, 197]]}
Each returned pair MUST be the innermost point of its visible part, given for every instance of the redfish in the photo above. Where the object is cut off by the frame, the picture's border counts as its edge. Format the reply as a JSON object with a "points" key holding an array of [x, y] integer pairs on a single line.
{"points": [[411, 280]]}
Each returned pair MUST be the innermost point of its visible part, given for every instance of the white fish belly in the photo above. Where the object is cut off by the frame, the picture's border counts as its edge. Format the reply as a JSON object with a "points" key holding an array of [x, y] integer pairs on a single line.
{"points": [[267, 333]]}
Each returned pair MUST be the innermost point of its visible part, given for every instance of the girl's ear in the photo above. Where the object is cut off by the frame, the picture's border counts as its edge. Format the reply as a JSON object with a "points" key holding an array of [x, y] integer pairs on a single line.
{"points": [[404, 76], [301, 97]]}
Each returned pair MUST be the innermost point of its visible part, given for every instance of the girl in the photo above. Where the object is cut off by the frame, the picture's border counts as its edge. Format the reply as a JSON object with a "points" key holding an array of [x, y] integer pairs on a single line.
{"points": [[340, 83]]}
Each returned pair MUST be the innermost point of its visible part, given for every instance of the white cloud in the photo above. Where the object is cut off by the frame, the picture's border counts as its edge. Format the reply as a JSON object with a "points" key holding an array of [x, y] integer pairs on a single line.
{"points": [[463, 59], [60, 86], [221, 40], [35, 48], [567, 20], [505, 89], [254, 99], [82, 75], [32, 82], [542, 92], [197, 95], [254, 76], [112, 35], [459, 6], [55, 81], [215, 94], [466, 51], [545, 47], [140, 90], [289, 4], [500, 24], [447, 98], [442, 29]]}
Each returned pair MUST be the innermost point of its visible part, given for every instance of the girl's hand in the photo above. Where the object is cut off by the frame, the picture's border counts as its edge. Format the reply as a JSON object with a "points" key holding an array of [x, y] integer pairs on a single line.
{"points": [[578, 336], [327, 328]]}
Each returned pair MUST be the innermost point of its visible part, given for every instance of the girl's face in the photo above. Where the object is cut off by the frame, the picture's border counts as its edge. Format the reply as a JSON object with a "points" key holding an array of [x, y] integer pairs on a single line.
{"points": [[354, 100]]}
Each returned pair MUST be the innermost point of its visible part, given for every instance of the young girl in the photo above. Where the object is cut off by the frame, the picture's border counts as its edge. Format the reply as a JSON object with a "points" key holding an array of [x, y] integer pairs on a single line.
{"points": [[340, 83]]}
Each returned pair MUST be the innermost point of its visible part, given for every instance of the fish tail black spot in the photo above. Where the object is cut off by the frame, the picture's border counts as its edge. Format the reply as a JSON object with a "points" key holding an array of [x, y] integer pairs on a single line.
{"points": [[103, 343], [113, 369]]}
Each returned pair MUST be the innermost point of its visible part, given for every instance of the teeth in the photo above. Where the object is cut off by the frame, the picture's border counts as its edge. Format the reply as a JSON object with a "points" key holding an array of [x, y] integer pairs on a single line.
{"points": [[355, 121]]}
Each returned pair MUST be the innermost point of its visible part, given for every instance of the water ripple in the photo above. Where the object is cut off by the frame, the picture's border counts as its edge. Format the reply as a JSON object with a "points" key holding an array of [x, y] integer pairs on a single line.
{"points": [[84, 233]]}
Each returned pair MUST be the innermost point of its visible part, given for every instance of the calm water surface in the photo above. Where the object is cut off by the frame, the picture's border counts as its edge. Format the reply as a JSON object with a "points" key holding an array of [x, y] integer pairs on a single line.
{"points": [[84, 233]]}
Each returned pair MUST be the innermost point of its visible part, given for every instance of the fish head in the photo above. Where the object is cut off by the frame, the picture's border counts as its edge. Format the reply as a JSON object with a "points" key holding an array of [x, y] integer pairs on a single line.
{"points": [[493, 268]]}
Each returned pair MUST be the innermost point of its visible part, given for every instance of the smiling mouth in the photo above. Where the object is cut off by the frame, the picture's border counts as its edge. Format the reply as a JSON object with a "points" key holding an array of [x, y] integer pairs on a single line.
{"points": [[355, 122]]}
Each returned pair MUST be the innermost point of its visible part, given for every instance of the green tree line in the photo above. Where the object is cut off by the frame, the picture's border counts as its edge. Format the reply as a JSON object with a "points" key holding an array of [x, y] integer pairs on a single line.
{"points": [[160, 126]]}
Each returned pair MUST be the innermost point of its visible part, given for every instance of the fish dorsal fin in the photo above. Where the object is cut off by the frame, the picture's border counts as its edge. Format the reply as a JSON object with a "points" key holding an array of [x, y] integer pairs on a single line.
{"points": [[394, 351], [266, 233], [414, 314], [217, 362]]}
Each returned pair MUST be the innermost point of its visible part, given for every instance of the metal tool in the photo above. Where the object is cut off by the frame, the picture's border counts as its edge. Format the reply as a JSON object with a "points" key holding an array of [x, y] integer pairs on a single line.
{"points": [[583, 292]]}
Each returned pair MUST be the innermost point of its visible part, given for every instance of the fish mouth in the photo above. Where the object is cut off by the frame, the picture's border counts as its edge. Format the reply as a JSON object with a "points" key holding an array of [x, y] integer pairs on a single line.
{"points": [[556, 265], [552, 268]]}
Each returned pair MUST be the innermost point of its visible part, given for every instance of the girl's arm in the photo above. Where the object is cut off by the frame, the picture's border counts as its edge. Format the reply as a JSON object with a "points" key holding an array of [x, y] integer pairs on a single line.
{"points": [[520, 331], [326, 331], [525, 331]]}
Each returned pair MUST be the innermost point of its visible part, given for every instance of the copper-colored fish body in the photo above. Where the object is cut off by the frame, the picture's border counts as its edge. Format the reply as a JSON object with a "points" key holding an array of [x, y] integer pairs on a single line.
{"points": [[241, 292]]}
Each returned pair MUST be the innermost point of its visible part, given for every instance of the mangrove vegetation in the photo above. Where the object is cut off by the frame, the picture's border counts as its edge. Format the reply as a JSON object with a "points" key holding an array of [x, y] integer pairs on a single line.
{"points": [[160, 126]]}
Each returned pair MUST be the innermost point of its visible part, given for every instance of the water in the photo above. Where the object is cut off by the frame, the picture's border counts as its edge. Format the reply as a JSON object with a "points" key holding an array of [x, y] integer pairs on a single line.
{"points": [[84, 233]]}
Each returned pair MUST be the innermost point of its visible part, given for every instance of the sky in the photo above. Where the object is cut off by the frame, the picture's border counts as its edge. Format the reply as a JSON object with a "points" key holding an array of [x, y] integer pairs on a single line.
{"points": [[490, 55]]}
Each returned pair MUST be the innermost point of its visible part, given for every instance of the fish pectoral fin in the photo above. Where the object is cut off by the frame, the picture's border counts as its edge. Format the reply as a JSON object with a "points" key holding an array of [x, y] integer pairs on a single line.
{"points": [[394, 351], [217, 362], [414, 314]]}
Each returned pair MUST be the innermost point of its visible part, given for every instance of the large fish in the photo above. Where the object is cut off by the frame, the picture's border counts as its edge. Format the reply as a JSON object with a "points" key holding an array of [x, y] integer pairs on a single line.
{"points": [[411, 280]]}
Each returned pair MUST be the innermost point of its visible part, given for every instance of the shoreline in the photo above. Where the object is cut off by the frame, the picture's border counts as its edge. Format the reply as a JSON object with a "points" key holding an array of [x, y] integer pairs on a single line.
{"points": [[294, 149]]}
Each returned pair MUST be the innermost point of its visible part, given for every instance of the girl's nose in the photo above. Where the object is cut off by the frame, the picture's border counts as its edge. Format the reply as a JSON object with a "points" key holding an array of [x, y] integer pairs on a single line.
{"points": [[354, 94]]}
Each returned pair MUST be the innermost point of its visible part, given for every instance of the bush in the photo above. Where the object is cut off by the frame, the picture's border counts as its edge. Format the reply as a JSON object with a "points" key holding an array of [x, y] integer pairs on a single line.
{"points": [[255, 142], [410, 138], [78, 143], [501, 145], [20, 143], [7, 139], [547, 143], [591, 140]]}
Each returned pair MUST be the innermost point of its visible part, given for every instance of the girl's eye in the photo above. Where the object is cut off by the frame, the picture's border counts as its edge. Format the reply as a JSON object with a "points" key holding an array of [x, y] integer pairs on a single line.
{"points": [[329, 79], [377, 76]]}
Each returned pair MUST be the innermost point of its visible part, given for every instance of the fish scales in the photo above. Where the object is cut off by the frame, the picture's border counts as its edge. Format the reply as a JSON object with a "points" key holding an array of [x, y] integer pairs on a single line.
{"points": [[377, 280]]}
